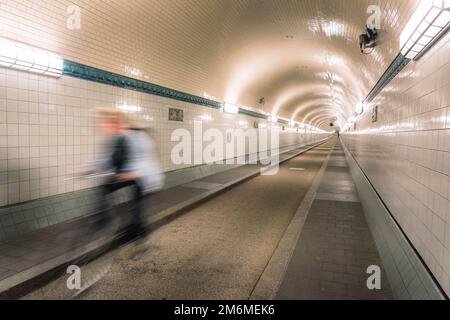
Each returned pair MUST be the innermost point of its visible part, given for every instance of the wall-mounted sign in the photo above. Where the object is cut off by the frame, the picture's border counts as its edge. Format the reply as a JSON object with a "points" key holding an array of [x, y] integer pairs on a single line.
{"points": [[229, 137], [375, 114], [176, 115]]}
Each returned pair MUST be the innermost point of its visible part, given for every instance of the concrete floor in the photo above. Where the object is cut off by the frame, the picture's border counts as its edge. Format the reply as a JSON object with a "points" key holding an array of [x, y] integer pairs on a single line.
{"points": [[34, 254], [216, 251]]}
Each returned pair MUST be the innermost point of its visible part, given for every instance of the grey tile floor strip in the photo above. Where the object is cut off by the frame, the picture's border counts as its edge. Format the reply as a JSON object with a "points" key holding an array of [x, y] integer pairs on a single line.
{"points": [[337, 197], [335, 248], [269, 282], [50, 245]]}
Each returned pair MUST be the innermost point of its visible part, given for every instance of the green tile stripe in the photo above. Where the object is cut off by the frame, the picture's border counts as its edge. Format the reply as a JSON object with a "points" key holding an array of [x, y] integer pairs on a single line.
{"points": [[78, 70], [252, 114], [394, 69], [85, 72]]}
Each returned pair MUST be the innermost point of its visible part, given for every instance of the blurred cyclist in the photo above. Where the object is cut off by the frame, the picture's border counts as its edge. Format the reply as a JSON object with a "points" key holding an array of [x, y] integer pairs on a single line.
{"points": [[131, 157], [142, 164]]}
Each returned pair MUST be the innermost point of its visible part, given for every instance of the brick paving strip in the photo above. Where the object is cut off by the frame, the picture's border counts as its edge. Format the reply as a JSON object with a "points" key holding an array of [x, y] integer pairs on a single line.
{"points": [[328, 246]]}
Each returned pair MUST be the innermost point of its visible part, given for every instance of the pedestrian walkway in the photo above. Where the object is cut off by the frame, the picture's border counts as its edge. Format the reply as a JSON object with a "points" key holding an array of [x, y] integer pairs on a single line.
{"points": [[25, 258], [336, 247]]}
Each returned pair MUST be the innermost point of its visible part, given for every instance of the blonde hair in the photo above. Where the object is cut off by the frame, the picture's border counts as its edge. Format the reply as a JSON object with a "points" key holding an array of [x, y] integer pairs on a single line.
{"points": [[113, 115]]}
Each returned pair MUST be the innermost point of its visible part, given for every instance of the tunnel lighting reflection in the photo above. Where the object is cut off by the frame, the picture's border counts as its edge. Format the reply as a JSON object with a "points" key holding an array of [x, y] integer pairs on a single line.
{"points": [[329, 28], [273, 118], [206, 118], [22, 57], [230, 108], [428, 21], [135, 72], [242, 124], [359, 108], [129, 109], [332, 60], [338, 91], [330, 76], [208, 96]]}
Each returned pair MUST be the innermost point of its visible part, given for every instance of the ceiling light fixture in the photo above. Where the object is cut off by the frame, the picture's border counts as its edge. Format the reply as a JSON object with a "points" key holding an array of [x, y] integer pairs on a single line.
{"points": [[427, 23], [359, 108], [273, 118], [22, 57], [230, 108], [129, 109], [206, 118]]}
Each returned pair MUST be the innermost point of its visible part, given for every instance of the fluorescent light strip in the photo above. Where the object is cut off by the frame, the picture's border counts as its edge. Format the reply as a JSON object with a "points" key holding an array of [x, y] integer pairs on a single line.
{"points": [[129, 109], [22, 57], [429, 20], [230, 108], [274, 118]]}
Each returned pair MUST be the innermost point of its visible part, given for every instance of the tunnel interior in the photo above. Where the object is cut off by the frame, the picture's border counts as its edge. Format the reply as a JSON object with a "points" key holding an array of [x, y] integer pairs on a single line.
{"points": [[248, 103]]}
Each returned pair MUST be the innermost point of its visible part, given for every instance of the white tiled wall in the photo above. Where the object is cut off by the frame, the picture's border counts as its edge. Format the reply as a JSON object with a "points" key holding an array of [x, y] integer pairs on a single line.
{"points": [[406, 154], [204, 45], [47, 132]]}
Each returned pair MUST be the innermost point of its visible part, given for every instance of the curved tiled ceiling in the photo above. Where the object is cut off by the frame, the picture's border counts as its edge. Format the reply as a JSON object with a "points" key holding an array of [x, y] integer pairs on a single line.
{"points": [[302, 57]]}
